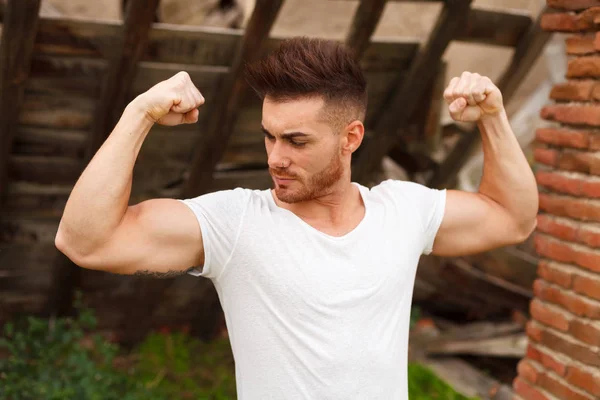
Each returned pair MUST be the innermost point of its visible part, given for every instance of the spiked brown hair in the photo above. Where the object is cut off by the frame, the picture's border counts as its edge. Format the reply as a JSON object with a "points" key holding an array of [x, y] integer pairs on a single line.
{"points": [[309, 67]]}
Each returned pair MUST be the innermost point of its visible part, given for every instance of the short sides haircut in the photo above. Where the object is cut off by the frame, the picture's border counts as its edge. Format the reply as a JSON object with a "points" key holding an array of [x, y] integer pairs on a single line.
{"points": [[309, 67]]}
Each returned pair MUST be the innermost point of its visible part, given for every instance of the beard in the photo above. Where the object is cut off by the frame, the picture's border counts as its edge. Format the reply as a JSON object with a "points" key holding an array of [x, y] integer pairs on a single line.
{"points": [[314, 186]]}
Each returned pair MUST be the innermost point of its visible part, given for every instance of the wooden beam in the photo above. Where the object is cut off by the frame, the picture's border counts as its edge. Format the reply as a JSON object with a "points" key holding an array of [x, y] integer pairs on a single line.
{"points": [[530, 47], [222, 119], [201, 179], [397, 111], [122, 70], [115, 92], [365, 21], [494, 27], [18, 36]]}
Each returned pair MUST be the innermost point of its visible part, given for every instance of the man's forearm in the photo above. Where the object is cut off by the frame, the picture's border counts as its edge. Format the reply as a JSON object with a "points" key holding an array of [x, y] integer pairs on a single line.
{"points": [[507, 177], [100, 197]]}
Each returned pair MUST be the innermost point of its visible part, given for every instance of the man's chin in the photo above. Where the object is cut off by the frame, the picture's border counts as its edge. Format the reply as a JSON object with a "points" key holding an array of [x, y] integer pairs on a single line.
{"points": [[287, 195]]}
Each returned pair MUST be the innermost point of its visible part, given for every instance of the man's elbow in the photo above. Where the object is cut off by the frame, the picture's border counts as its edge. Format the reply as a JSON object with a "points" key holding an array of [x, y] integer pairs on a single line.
{"points": [[62, 244], [525, 229]]}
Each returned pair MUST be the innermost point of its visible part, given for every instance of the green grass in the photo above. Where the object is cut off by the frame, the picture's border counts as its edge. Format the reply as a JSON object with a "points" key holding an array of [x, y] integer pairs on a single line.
{"points": [[48, 360], [424, 384]]}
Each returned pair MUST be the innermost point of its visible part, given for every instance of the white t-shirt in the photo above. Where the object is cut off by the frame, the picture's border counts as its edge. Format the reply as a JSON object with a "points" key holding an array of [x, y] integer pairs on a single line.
{"points": [[313, 316]]}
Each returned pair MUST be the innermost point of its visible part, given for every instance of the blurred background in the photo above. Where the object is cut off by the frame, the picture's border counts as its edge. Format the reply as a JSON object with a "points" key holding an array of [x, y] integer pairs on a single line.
{"points": [[73, 333]]}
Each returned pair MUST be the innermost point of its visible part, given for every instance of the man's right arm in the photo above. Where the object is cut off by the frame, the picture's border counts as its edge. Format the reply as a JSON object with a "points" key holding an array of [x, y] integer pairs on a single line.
{"points": [[98, 229]]}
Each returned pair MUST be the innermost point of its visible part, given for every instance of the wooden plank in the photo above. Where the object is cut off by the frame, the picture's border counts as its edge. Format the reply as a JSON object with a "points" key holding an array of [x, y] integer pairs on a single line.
{"points": [[116, 88], [495, 27], [401, 105], [223, 116], [189, 45], [200, 179], [526, 53], [504, 346], [363, 25], [16, 49], [43, 169]]}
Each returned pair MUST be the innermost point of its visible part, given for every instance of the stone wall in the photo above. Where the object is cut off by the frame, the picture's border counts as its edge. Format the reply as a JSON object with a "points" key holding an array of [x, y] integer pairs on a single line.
{"points": [[563, 358]]}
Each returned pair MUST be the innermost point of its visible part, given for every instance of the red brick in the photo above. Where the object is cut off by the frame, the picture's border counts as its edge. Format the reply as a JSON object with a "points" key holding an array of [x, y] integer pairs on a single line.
{"points": [[586, 332], [563, 137], [579, 161], [564, 206], [587, 379], [551, 273], [595, 91], [548, 315], [580, 44], [569, 230], [572, 302], [546, 156], [533, 353], [566, 252], [573, 4], [569, 183], [595, 138], [589, 234], [552, 363], [562, 389], [573, 90], [534, 332], [573, 114], [558, 227], [570, 347], [584, 67], [587, 285], [526, 391], [527, 371], [570, 22]]}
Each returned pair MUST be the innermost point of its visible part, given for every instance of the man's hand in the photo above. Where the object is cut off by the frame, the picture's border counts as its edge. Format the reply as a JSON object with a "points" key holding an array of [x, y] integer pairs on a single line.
{"points": [[473, 97], [171, 102]]}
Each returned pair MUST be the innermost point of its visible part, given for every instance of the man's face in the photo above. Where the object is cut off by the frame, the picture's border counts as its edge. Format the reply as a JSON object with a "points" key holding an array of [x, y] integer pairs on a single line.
{"points": [[304, 154]]}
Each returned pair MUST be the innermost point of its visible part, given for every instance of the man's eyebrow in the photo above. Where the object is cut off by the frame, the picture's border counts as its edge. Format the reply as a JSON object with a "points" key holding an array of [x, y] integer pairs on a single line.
{"points": [[289, 135]]}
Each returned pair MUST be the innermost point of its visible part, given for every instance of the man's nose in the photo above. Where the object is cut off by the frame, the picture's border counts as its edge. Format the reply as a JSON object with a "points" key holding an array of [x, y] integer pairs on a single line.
{"points": [[277, 157]]}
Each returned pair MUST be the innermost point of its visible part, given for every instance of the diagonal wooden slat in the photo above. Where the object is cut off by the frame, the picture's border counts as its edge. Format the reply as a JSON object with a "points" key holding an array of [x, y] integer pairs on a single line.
{"points": [[115, 92], [152, 291], [16, 49], [222, 119], [530, 47], [122, 69], [405, 100], [365, 21]]}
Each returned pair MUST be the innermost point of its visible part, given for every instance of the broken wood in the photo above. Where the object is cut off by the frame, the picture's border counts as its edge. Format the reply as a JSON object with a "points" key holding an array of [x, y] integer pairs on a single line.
{"points": [[116, 88], [224, 113], [526, 53], [16, 49], [363, 25], [514, 345], [405, 100]]}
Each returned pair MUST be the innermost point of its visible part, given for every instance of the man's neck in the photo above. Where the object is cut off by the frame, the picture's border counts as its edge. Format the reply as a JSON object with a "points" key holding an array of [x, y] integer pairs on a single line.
{"points": [[337, 206]]}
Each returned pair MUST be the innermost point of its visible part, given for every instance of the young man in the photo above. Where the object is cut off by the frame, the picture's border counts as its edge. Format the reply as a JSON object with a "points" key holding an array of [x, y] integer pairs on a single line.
{"points": [[315, 275]]}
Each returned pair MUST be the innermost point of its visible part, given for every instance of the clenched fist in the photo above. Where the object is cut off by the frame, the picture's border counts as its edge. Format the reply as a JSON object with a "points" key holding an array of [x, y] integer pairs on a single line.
{"points": [[171, 102], [473, 97]]}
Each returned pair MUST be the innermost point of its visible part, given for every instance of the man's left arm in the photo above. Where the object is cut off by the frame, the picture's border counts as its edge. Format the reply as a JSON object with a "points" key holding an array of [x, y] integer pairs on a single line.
{"points": [[504, 210]]}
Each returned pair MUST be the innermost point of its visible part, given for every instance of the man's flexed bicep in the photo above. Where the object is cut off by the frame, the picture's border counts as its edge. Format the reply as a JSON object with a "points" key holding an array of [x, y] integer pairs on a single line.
{"points": [[474, 223], [158, 237]]}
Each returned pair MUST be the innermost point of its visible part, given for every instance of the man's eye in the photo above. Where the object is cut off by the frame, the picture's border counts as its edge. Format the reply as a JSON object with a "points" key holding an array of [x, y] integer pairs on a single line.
{"points": [[270, 137], [297, 144]]}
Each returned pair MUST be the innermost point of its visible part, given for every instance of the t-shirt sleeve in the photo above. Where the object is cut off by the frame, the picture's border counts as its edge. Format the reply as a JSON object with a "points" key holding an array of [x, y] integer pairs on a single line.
{"points": [[220, 216], [429, 205]]}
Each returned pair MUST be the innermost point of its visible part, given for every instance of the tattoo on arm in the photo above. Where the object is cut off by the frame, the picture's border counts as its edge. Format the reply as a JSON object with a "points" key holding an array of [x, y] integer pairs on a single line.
{"points": [[163, 275]]}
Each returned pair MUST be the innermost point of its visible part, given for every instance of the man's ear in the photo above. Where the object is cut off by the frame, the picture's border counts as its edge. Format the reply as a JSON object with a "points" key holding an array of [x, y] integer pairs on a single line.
{"points": [[355, 131]]}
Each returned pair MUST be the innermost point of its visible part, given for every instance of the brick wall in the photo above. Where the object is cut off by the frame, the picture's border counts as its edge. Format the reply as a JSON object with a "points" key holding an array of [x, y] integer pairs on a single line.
{"points": [[563, 358]]}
